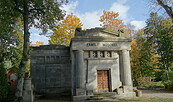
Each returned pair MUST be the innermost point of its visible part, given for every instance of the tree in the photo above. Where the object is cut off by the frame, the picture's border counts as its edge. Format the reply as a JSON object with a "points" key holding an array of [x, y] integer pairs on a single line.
{"points": [[168, 6], [144, 59], [135, 62], [37, 43], [3, 84], [10, 54], [42, 14], [110, 21], [165, 45], [65, 30], [160, 32]]}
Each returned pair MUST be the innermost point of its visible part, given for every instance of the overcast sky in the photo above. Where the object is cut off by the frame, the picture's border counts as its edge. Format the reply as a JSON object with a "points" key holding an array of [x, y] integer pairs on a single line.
{"points": [[134, 12]]}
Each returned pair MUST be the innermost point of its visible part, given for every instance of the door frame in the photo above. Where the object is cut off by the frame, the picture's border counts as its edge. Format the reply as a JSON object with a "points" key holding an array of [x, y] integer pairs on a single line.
{"points": [[109, 78]]}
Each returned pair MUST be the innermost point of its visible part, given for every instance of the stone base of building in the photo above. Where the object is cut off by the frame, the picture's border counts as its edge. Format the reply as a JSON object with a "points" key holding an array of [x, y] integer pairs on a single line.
{"points": [[80, 92], [125, 92], [80, 98]]}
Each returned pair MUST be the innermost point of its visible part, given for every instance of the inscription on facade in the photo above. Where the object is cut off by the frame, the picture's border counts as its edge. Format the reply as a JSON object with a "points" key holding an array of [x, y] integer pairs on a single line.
{"points": [[91, 44], [101, 44]]}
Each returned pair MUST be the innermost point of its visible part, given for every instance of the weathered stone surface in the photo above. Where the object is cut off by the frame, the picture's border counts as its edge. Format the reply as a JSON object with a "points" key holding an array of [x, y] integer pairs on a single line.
{"points": [[50, 69], [80, 92], [119, 91], [102, 50], [127, 89], [80, 98], [139, 93], [28, 91], [58, 69], [28, 96]]}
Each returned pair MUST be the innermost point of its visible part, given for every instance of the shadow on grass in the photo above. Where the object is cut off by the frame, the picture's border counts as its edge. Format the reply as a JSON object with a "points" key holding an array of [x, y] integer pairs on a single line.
{"points": [[147, 100], [68, 99], [58, 99]]}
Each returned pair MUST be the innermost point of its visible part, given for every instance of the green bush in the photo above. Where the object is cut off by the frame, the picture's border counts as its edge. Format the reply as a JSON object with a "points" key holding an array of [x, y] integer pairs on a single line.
{"points": [[167, 79], [5, 89], [143, 80], [152, 85]]}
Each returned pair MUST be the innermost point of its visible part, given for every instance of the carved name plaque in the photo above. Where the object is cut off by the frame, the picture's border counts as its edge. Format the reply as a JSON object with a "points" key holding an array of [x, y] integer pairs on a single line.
{"points": [[101, 44]]}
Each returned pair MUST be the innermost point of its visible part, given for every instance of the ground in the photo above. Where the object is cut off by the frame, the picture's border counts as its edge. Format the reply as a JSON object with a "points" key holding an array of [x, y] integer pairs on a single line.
{"points": [[148, 96], [157, 94]]}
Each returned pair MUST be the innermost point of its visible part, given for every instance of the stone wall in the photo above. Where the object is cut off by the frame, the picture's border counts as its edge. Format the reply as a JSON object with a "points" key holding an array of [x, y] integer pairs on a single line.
{"points": [[51, 70]]}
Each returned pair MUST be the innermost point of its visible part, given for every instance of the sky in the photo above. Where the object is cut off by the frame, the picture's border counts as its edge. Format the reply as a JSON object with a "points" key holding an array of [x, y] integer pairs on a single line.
{"points": [[135, 12]]}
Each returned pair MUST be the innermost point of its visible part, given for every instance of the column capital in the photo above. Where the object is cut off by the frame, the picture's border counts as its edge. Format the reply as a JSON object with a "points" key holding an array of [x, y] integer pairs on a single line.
{"points": [[124, 51], [80, 51]]}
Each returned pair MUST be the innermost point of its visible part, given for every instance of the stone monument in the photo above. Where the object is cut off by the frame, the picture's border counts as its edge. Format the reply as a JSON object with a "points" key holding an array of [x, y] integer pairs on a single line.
{"points": [[97, 61], [100, 63]]}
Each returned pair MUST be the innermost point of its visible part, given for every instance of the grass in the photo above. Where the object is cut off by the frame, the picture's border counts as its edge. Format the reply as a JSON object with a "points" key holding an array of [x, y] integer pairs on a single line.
{"points": [[128, 100], [59, 99], [51, 100], [149, 100]]}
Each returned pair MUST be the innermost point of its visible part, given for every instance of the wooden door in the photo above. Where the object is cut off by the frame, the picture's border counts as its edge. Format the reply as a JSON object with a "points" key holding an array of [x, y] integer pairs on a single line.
{"points": [[103, 80]]}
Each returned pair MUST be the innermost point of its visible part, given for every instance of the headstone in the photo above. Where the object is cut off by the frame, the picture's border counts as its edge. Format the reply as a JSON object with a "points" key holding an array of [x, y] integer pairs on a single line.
{"points": [[28, 91]]}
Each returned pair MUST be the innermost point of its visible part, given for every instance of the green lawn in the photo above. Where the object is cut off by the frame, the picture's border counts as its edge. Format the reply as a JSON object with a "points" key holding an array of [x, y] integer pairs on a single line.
{"points": [[51, 100], [148, 100], [129, 100]]}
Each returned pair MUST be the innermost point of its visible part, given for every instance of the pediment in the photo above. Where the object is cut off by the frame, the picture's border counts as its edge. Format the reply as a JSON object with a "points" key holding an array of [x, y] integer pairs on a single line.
{"points": [[101, 32], [110, 33]]}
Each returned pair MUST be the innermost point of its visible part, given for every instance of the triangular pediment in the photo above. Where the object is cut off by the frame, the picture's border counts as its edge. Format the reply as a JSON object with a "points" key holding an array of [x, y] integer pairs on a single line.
{"points": [[106, 32], [101, 32]]}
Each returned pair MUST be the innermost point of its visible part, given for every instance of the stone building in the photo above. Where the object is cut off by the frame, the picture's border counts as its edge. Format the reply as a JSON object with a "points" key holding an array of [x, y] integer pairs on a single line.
{"points": [[97, 61]]}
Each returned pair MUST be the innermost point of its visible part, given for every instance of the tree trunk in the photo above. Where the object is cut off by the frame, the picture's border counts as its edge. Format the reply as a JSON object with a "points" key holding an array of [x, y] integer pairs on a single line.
{"points": [[168, 9], [25, 56]]}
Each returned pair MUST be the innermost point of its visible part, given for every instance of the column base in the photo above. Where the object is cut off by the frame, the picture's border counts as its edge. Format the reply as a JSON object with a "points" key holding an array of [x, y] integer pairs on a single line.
{"points": [[128, 92], [127, 89]]}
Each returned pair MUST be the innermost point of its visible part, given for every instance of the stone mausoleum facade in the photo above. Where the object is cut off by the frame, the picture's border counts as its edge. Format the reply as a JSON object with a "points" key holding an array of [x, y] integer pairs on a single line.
{"points": [[97, 61]]}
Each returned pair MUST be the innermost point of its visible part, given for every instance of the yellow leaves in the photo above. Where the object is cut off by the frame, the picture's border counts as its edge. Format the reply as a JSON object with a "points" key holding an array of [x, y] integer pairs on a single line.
{"points": [[110, 21], [65, 30], [38, 43], [134, 56], [135, 49]]}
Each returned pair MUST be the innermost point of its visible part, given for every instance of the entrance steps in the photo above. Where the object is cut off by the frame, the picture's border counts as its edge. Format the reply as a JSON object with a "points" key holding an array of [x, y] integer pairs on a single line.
{"points": [[105, 96]]}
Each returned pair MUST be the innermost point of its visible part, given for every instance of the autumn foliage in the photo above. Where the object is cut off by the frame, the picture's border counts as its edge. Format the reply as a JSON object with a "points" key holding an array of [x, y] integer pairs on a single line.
{"points": [[65, 30], [37, 43], [110, 21]]}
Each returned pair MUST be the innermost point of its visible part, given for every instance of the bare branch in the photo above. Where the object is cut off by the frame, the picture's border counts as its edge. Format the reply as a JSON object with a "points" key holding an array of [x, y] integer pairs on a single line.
{"points": [[167, 8]]}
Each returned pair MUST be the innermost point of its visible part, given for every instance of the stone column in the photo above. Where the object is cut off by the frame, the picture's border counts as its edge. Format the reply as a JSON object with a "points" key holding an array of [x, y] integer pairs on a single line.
{"points": [[126, 68], [80, 77]]}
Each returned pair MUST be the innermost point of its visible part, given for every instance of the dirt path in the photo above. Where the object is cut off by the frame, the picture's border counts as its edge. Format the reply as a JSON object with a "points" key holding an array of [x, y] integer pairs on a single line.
{"points": [[157, 93]]}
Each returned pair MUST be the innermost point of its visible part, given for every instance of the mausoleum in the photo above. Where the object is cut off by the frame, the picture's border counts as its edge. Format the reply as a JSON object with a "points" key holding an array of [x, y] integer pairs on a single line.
{"points": [[97, 61]]}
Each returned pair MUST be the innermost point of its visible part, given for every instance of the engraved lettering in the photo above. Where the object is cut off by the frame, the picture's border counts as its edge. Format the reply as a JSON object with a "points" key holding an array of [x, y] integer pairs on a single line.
{"points": [[110, 45], [104, 44], [91, 44]]}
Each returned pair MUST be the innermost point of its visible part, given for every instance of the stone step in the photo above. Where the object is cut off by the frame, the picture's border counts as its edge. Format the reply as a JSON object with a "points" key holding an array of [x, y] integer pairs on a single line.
{"points": [[105, 96]]}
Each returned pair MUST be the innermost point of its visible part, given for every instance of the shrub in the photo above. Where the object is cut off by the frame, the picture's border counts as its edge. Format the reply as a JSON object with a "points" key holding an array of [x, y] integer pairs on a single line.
{"points": [[167, 79], [143, 80], [152, 85], [4, 86]]}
